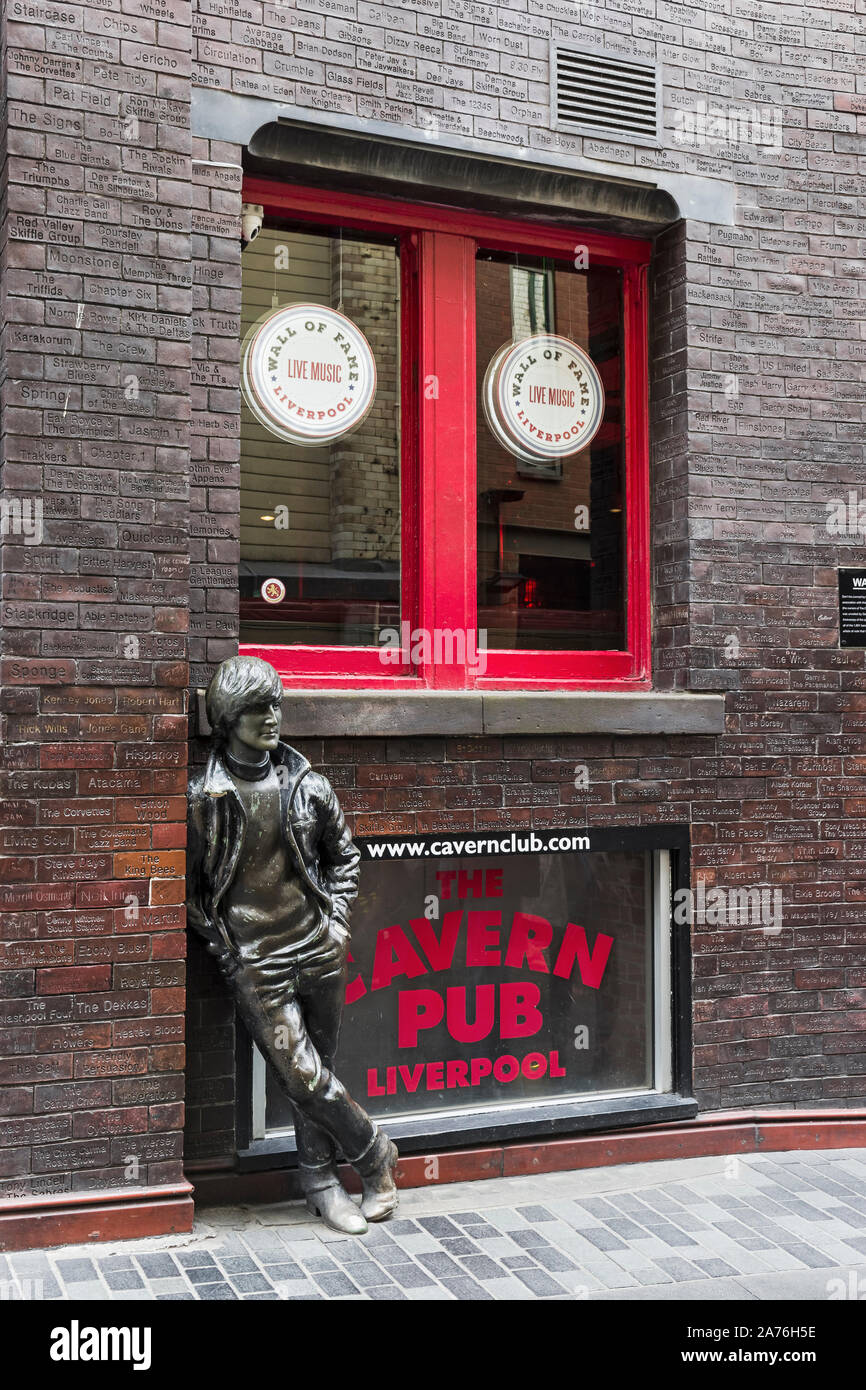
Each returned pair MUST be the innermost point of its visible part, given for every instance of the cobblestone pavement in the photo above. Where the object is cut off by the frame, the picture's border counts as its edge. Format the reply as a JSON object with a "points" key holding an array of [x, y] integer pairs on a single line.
{"points": [[763, 1226]]}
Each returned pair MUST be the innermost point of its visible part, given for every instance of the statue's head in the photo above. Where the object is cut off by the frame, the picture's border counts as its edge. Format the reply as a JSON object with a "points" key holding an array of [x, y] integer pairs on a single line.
{"points": [[244, 703]]}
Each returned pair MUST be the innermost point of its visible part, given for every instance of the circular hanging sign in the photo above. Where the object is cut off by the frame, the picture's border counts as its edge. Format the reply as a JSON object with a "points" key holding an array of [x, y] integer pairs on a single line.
{"points": [[273, 590], [543, 397], [307, 373]]}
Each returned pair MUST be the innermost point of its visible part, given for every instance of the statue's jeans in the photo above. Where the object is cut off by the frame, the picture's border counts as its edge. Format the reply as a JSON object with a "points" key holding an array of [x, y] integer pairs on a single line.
{"points": [[293, 1013]]}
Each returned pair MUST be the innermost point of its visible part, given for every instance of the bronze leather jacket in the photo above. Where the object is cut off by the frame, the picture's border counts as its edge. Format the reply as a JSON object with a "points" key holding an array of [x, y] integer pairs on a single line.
{"points": [[318, 843]]}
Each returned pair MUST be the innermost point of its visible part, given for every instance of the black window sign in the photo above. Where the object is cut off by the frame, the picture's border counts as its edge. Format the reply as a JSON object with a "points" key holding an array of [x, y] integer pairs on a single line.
{"points": [[852, 608], [510, 969]]}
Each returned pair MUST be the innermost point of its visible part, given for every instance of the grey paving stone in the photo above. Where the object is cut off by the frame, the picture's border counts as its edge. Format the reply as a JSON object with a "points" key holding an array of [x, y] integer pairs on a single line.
{"points": [[283, 1272], [403, 1228], [351, 1252], [45, 1288], [258, 1297], [115, 1262], [379, 1233], [195, 1259], [505, 1219], [535, 1214], [319, 1264], [391, 1256], [742, 1235], [807, 1255], [369, 1276], [250, 1283], [528, 1240], [716, 1269], [602, 1238], [336, 1285], [441, 1265], [519, 1262], [421, 1244], [552, 1259], [680, 1270], [481, 1267], [671, 1235], [411, 1277], [163, 1286], [238, 1264], [30, 1264], [124, 1279], [386, 1292], [208, 1274], [648, 1276], [157, 1266], [216, 1292], [683, 1194], [541, 1283], [439, 1226], [625, 1229], [467, 1291], [509, 1289], [458, 1245], [501, 1246], [296, 1288], [76, 1271]]}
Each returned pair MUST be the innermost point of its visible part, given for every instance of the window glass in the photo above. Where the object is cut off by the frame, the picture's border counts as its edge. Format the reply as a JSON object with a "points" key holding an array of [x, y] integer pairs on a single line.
{"points": [[534, 983], [551, 530], [323, 519]]}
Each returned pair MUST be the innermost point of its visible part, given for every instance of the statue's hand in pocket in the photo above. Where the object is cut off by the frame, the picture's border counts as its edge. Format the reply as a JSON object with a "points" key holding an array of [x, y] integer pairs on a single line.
{"points": [[331, 956]]}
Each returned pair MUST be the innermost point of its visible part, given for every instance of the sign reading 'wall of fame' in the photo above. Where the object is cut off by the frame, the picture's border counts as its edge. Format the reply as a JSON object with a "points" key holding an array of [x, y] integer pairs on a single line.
{"points": [[543, 397], [308, 373]]}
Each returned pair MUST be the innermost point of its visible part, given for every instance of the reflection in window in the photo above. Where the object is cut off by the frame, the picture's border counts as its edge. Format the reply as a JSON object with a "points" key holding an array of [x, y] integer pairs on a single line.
{"points": [[551, 533], [324, 520]]}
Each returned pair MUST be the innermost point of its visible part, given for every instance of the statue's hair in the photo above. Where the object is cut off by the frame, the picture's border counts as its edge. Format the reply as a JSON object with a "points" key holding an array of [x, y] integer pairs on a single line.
{"points": [[240, 683]]}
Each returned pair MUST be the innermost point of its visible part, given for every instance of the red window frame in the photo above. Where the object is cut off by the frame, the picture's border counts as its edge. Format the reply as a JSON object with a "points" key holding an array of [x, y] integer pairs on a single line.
{"points": [[438, 247]]}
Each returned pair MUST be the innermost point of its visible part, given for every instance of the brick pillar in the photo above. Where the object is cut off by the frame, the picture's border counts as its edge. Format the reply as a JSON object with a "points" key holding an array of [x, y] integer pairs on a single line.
{"points": [[95, 556], [214, 555]]}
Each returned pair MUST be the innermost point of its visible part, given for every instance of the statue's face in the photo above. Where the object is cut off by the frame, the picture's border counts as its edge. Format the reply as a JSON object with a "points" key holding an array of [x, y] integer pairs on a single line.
{"points": [[259, 726]]}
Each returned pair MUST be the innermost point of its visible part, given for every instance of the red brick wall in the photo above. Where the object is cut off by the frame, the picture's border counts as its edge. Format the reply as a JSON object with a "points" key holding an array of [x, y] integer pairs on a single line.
{"points": [[97, 289]]}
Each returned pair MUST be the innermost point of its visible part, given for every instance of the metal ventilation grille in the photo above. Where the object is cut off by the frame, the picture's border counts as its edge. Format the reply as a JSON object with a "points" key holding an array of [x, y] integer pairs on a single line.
{"points": [[604, 96]]}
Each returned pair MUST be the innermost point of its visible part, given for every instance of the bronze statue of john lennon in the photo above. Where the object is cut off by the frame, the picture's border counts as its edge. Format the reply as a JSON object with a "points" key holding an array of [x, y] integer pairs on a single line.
{"points": [[272, 876]]}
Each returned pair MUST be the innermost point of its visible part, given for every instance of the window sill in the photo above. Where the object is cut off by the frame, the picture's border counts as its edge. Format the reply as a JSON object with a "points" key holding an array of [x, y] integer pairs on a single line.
{"points": [[575, 1115], [473, 713]]}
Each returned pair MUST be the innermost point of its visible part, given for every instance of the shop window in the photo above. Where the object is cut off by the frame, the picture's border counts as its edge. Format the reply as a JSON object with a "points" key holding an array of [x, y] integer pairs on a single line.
{"points": [[549, 984], [482, 518]]}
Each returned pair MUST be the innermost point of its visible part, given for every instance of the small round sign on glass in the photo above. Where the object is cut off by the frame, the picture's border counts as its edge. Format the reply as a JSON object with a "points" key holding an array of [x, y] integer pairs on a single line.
{"points": [[543, 397], [273, 590], [307, 373]]}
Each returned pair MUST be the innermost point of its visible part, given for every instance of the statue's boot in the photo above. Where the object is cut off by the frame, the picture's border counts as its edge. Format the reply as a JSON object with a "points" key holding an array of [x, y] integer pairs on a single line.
{"points": [[328, 1199], [375, 1167]]}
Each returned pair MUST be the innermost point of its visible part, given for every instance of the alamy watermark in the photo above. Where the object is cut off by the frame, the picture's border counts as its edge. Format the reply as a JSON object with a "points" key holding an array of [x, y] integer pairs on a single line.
{"points": [[710, 124], [21, 516], [846, 516], [438, 646], [733, 907]]}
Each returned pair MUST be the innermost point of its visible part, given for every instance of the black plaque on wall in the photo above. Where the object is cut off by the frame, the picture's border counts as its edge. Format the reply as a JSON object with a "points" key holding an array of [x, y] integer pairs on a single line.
{"points": [[852, 608]]}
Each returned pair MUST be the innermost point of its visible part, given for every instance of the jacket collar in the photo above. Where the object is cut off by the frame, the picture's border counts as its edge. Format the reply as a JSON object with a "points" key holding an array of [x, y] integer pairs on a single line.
{"points": [[218, 780]]}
